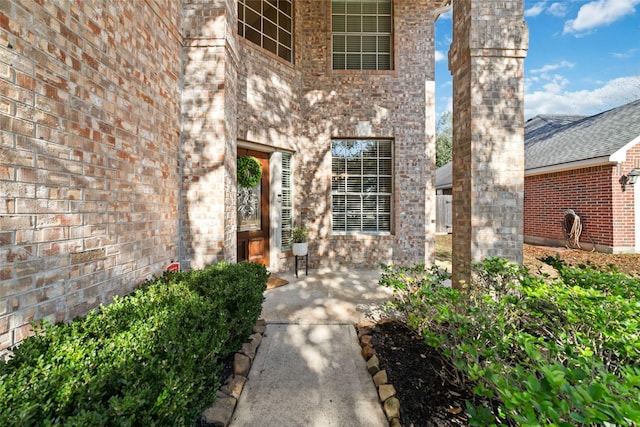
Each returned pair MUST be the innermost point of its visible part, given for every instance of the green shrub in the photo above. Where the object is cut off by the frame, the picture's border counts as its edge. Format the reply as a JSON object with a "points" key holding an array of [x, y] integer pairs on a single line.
{"points": [[152, 358], [558, 353], [242, 301]]}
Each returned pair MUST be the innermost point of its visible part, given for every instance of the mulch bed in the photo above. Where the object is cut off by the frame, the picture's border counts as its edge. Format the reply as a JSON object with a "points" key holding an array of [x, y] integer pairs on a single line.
{"points": [[418, 373], [425, 382]]}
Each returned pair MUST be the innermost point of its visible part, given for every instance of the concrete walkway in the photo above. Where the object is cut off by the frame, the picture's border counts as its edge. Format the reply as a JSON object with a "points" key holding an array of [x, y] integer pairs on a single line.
{"points": [[308, 370]]}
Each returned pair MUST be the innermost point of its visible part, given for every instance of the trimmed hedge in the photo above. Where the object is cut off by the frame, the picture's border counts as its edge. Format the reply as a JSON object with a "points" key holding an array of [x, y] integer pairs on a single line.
{"points": [[152, 358]]}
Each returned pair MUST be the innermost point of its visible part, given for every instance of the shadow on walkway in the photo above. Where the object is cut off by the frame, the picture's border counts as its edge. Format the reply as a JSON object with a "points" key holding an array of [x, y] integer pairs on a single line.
{"points": [[308, 370]]}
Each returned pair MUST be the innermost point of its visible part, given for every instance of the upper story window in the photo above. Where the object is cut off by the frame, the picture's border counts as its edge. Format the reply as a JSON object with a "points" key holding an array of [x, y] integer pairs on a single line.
{"points": [[269, 24], [362, 34]]}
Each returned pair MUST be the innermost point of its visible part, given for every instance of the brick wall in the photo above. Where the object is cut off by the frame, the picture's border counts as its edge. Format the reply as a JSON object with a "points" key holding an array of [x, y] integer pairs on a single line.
{"points": [[89, 140], [269, 115], [588, 191], [606, 207], [398, 104], [487, 62], [119, 140], [301, 106], [268, 98], [110, 169], [624, 213], [208, 223]]}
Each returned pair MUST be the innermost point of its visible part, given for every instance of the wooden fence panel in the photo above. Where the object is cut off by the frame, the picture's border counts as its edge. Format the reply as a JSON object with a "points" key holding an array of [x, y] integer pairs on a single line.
{"points": [[444, 213]]}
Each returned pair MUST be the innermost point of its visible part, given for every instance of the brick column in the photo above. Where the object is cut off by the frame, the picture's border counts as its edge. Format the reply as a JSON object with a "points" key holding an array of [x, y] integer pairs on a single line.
{"points": [[209, 131], [486, 59]]}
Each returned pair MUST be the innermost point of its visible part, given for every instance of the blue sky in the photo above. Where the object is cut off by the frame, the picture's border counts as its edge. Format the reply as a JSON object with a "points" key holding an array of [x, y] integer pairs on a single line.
{"points": [[583, 57]]}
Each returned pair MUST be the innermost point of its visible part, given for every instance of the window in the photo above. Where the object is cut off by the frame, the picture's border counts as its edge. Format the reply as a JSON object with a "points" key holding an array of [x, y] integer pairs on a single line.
{"points": [[287, 204], [361, 34], [361, 185], [269, 24]]}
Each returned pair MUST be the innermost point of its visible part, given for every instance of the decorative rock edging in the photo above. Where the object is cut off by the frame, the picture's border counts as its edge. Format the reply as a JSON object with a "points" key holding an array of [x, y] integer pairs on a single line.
{"points": [[220, 413], [386, 391]]}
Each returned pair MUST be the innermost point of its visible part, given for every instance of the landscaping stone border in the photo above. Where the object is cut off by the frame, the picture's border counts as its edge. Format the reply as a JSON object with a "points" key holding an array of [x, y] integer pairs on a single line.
{"points": [[386, 391], [220, 413]]}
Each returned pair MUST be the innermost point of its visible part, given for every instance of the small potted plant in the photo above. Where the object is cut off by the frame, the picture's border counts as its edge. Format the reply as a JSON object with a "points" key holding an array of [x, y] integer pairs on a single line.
{"points": [[300, 235]]}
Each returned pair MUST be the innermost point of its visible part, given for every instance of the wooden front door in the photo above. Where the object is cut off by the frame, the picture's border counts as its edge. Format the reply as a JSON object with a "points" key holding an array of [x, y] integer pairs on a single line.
{"points": [[253, 215]]}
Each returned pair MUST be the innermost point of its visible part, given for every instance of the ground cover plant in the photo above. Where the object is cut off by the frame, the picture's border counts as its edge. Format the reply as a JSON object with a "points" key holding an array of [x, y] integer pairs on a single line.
{"points": [[535, 350], [152, 358]]}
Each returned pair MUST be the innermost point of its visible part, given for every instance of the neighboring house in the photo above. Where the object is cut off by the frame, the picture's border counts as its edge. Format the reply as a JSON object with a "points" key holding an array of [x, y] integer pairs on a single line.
{"points": [[539, 127], [444, 199], [122, 122], [581, 164], [444, 179]]}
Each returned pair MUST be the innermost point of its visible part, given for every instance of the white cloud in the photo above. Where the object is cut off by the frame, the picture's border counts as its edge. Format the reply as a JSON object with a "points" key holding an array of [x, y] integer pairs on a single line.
{"points": [[440, 56], [583, 102], [447, 103], [552, 67], [555, 83], [535, 10], [551, 82], [598, 13], [557, 9], [624, 55]]}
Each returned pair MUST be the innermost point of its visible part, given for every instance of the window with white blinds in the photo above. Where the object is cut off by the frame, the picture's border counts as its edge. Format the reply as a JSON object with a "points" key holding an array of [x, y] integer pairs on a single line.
{"points": [[361, 185], [287, 203], [361, 34], [269, 24]]}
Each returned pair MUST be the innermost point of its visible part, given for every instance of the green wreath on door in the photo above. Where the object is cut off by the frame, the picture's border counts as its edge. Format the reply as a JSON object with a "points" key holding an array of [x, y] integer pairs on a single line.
{"points": [[249, 172]]}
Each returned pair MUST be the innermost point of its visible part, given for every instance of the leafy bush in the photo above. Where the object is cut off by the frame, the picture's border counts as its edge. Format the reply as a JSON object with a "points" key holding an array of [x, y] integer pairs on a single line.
{"points": [[242, 301], [559, 353], [151, 358]]}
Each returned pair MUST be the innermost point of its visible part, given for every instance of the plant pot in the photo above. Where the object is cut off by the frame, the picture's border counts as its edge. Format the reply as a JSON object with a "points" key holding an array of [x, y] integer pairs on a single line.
{"points": [[300, 249]]}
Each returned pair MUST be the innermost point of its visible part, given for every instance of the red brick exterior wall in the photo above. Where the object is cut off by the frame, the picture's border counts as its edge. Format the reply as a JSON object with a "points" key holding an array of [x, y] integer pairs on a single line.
{"points": [[587, 191], [595, 194], [119, 124], [624, 215], [89, 149]]}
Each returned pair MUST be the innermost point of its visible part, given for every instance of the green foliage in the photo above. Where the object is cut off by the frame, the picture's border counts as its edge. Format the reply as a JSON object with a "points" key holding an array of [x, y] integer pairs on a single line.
{"points": [[249, 171], [412, 287], [300, 234], [151, 358], [552, 353], [240, 287], [444, 139]]}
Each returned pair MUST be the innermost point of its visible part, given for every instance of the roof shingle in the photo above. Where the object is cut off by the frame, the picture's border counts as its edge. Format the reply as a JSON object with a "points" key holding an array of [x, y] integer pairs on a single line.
{"points": [[588, 138], [552, 140]]}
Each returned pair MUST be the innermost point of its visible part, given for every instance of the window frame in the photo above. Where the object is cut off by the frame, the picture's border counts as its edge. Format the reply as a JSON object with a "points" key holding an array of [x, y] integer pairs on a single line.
{"points": [[349, 38], [343, 182], [283, 38]]}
